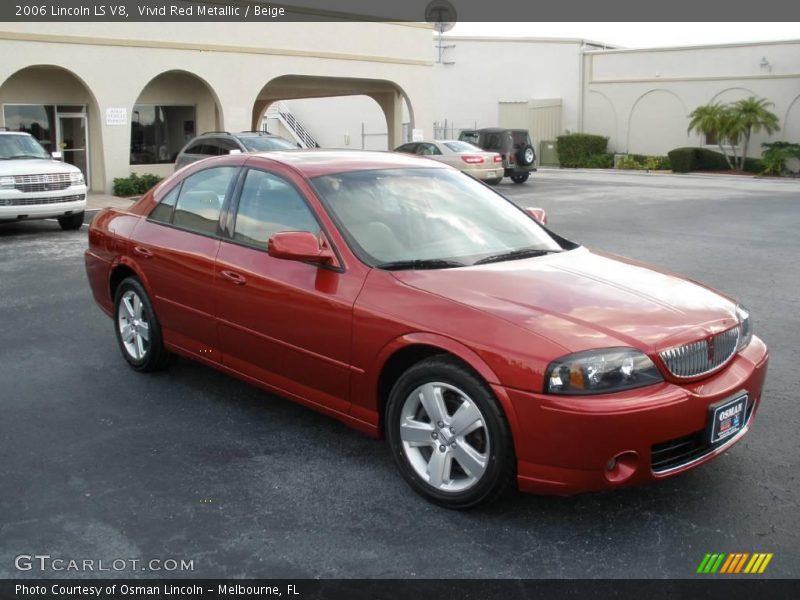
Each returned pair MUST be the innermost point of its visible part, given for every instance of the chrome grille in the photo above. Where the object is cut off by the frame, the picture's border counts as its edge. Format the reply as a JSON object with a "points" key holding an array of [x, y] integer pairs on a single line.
{"points": [[703, 356], [35, 201], [47, 182]]}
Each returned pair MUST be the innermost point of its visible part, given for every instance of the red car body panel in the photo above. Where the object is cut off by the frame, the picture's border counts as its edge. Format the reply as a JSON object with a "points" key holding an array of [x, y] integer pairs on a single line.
{"points": [[322, 335]]}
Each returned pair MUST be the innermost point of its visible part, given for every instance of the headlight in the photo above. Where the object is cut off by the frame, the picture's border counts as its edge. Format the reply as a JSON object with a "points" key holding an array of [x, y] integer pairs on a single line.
{"points": [[76, 178], [600, 372], [746, 327], [6, 182]]}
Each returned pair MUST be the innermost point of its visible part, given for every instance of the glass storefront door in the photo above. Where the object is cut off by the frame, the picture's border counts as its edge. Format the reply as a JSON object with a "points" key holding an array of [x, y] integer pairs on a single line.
{"points": [[73, 140]]}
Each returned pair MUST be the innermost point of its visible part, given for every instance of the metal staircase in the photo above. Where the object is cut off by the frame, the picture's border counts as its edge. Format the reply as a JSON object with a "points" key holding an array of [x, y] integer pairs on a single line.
{"points": [[280, 111]]}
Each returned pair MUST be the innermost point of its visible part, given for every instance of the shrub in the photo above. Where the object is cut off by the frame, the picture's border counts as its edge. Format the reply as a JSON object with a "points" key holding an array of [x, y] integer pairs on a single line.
{"points": [[644, 162], [134, 185], [684, 160], [575, 149], [775, 156], [598, 161]]}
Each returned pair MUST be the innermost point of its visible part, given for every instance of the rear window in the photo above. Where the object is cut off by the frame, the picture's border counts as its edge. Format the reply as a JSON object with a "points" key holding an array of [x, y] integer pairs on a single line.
{"points": [[462, 147], [472, 137], [521, 139]]}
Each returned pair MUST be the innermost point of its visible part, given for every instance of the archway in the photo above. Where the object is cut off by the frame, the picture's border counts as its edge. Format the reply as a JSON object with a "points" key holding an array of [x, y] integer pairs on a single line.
{"points": [[657, 123], [55, 106], [171, 109], [390, 99]]}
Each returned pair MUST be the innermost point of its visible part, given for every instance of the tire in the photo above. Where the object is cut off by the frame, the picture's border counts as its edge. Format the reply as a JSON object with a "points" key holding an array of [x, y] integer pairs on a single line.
{"points": [[526, 155], [141, 345], [494, 181], [452, 469], [520, 177], [71, 222]]}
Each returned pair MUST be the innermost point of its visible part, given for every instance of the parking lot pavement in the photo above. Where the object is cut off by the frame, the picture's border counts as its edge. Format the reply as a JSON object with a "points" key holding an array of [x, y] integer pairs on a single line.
{"points": [[99, 462]]}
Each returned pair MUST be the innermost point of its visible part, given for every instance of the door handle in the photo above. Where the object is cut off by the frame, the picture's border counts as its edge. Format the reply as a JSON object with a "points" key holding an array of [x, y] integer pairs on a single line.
{"points": [[143, 252], [234, 278]]}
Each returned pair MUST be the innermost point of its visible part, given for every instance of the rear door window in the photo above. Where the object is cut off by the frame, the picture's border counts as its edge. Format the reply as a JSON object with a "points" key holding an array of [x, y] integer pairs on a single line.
{"points": [[201, 197]]}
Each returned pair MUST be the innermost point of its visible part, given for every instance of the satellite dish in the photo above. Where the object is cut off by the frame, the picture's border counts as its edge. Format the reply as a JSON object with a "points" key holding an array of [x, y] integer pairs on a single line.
{"points": [[442, 14]]}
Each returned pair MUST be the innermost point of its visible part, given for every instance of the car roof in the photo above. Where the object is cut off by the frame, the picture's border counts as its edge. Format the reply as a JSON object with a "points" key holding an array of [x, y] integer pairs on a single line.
{"points": [[493, 130], [239, 134], [2, 132], [313, 163]]}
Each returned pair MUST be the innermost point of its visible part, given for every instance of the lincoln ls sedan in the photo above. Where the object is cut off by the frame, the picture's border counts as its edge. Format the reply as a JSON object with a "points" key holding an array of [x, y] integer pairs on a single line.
{"points": [[415, 303]]}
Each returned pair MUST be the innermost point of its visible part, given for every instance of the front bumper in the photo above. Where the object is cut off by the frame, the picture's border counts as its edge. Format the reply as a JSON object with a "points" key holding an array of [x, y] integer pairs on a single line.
{"points": [[566, 445], [15, 205]]}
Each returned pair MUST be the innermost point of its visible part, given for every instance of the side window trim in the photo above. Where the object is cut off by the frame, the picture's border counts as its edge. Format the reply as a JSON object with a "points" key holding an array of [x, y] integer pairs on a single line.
{"points": [[175, 188]]}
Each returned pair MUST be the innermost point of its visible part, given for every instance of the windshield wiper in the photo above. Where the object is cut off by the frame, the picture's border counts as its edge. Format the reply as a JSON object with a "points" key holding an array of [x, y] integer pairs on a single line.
{"points": [[515, 255], [428, 263], [26, 156]]}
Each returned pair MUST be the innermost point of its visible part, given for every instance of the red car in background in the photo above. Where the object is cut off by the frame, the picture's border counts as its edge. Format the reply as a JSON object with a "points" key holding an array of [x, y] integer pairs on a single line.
{"points": [[412, 302]]}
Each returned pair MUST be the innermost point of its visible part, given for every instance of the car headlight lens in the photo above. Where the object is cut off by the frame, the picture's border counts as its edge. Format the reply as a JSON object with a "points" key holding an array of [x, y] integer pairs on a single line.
{"points": [[600, 372], [76, 178], [746, 327], [6, 183]]}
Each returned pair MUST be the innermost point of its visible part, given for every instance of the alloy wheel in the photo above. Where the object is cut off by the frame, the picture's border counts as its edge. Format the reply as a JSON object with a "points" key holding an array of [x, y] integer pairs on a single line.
{"points": [[444, 437]]}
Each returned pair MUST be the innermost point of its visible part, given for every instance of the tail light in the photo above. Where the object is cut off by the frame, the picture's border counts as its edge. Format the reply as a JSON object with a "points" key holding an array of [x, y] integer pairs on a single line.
{"points": [[511, 159], [472, 160], [498, 158]]}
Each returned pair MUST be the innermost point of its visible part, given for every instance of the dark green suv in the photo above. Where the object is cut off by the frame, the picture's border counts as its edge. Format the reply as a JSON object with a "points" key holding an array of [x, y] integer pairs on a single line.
{"points": [[514, 145]]}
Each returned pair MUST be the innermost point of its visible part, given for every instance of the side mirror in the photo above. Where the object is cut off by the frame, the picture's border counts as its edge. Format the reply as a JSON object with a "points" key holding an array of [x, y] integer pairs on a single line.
{"points": [[299, 245], [56, 155], [537, 214]]}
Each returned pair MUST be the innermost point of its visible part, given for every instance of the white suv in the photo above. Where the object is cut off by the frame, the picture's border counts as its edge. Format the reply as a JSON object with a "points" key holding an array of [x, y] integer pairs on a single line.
{"points": [[33, 185]]}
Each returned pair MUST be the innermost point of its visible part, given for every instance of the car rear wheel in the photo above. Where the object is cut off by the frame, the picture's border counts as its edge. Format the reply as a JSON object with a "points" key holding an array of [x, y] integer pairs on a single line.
{"points": [[71, 222], [520, 177], [448, 435], [138, 330]]}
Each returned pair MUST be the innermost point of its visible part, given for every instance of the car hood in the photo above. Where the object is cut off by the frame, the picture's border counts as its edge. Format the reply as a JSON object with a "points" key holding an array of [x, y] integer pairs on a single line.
{"points": [[35, 166], [582, 299]]}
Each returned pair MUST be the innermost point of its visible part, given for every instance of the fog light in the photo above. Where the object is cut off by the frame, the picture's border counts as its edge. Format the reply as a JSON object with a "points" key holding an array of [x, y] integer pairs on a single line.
{"points": [[621, 467]]}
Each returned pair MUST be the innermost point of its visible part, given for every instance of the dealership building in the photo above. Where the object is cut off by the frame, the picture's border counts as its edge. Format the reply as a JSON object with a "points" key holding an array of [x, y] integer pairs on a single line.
{"points": [[125, 97]]}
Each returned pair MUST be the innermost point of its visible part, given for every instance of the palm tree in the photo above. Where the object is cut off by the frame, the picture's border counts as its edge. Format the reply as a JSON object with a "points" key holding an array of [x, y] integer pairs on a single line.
{"points": [[751, 115], [712, 120]]}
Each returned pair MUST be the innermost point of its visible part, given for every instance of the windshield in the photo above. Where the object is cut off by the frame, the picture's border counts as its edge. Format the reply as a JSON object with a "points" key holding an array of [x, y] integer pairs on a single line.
{"points": [[266, 144], [20, 147], [437, 217], [462, 147]]}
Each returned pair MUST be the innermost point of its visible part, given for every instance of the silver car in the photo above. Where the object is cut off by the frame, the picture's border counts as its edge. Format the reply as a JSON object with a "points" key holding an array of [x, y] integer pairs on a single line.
{"points": [[215, 143], [483, 165]]}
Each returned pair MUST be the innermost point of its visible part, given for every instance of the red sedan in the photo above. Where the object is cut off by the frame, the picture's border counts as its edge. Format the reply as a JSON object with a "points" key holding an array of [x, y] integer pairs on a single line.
{"points": [[409, 300]]}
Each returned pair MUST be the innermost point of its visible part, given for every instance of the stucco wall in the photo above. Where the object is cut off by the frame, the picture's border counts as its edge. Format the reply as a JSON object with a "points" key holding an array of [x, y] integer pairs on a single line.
{"points": [[234, 62], [642, 99]]}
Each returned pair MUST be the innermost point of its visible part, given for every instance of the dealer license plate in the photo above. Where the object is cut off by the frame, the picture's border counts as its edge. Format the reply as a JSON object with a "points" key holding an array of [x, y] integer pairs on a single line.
{"points": [[727, 418]]}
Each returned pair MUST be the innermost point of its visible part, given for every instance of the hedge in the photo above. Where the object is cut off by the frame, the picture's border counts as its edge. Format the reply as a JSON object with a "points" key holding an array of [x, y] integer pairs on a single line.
{"points": [[575, 149], [644, 162], [684, 160], [134, 185]]}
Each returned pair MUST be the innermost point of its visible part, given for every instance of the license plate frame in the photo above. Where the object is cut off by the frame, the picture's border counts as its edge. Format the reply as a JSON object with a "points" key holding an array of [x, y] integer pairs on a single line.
{"points": [[725, 422]]}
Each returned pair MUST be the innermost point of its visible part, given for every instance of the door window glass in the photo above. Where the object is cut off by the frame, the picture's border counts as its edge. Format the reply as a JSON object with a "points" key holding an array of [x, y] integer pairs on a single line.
{"points": [[201, 197], [267, 205]]}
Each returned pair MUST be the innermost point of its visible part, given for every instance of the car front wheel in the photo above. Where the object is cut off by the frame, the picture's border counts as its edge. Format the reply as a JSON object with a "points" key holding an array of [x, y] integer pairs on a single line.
{"points": [[448, 435], [71, 222], [138, 330]]}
